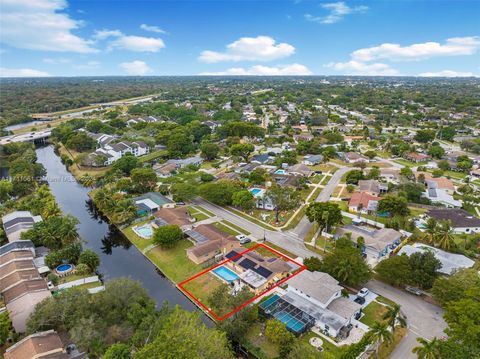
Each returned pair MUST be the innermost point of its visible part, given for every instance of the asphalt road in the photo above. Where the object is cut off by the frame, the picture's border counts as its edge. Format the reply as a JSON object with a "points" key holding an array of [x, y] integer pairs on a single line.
{"points": [[424, 319]]}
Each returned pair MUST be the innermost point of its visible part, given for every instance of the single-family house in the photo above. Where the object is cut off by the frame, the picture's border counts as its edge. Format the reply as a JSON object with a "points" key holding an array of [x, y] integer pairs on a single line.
{"points": [[262, 200], [259, 272], [312, 160], [451, 262], [377, 243], [164, 170], [363, 202], [372, 187], [22, 298], [190, 161], [262, 159], [314, 299], [390, 174], [440, 196], [17, 222], [300, 169], [178, 216], [40, 345], [303, 137], [209, 242], [354, 158], [460, 220], [417, 157]]}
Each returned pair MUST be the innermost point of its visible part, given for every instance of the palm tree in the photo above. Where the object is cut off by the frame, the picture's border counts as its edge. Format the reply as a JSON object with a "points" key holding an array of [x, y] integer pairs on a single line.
{"points": [[445, 238], [430, 232], [87, 180], [124, 211], [394, 315], [427, 349], [379, 333]]}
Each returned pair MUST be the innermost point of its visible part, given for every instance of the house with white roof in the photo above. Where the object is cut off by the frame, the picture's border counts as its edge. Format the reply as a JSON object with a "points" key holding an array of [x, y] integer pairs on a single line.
{"points": [[17, 222]]}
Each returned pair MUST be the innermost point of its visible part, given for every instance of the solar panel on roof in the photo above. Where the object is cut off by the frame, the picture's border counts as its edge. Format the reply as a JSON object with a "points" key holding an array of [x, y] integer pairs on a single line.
{"points": [[264, 272], [247, 264], [233, 254], [197, 237]]}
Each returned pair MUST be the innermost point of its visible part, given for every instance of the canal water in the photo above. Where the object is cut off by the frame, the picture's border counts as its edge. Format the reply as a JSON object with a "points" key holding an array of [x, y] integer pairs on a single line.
{"points": [[119, 258]]}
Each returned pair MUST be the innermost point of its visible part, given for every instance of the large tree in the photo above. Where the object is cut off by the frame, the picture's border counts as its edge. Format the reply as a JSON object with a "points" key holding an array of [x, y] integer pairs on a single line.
{"points": [[453, 288], [144, 179], [243, 199], [283, 199], [167, 236], [325, 214], [242, 150], [394, 205]]}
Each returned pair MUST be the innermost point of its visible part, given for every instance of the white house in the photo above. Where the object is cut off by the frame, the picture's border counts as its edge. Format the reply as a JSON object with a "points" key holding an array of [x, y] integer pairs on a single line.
{"points": [[318, 297], [312, 160], [262, 201], [114, 151]]}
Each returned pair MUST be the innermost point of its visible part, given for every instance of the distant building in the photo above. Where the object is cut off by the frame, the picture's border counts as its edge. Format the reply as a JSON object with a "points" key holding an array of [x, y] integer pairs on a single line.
{"points": [[354, 158], [451, 262], [312, 160], [110, 152], [460, 220], [15, 223], [300, 170], [417, 157], [190, 161], [372, 187]]}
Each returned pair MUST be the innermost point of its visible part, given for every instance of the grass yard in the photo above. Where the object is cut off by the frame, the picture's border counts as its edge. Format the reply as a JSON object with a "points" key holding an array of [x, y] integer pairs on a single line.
{"points": [[90, 285], [267, 253], [387, 348], [332, 350], [152, 156], [70, 278], [226, 229], [202, 287], [174, 262], [203, 210], [260, 345], [373, 313], [385, 301], [237, 228], [251, 219], [314, 195], [407, 163], [195, 213], [78, 171], [295, 220], [326, 180]]}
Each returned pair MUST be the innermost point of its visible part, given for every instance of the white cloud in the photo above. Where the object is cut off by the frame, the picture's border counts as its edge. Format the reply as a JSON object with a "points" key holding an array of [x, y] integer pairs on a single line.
{"points": [[359, 68], [260, 48], [152, 28], [40, 25], [137, 43], [56, 61], [337, 11], [452, 47], [105, 34], [89, 65], [446, 73], [4, 72], [260, 70], [135, 68], [118, 40]]}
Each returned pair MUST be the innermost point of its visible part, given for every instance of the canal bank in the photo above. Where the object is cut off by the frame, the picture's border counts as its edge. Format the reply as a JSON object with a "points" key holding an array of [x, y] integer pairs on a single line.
{"points": [[119, 258]]}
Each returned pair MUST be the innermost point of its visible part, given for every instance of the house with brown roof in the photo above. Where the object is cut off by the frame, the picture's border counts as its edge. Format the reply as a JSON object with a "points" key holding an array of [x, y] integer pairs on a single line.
{"points": [[353, 157], [442, 183], [164, 170], [300, 169], [363, 202], [417, 157], [22, 298], [178, 216], [390, 174], [372, 187], [42, 345], [209, 242], [258, 272]]}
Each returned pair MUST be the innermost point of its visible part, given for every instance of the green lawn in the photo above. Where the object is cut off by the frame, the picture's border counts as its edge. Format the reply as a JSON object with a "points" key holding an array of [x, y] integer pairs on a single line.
{"points": [[262, 347], [315, 194], [407, 163], [226, 229], [201, 209], [373, 313], [295, 220], [326, 180], [234, 226], [267, 253], [251, 219], [195, 213], [387, 348], [174, 262], [202, 287], [152, 155], [332, 350]]}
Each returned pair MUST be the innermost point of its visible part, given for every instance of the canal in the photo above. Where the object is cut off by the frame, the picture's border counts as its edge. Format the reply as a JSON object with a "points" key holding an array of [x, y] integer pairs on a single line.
{"points": [[119, 258]]}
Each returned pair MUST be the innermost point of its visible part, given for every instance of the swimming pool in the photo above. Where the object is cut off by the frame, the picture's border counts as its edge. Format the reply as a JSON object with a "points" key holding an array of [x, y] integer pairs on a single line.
{"points": [[291, 323], [144, 231], [280, 172], [64, 268], [255, 191], [225, 273]]}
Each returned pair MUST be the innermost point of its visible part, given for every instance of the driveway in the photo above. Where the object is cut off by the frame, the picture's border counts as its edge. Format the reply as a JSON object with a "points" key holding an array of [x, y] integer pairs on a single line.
{"points": [[304, 225]]}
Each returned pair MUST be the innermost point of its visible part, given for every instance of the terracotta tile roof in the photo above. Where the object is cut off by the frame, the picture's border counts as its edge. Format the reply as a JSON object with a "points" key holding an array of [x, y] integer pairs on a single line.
{"points": [[362, 198]]}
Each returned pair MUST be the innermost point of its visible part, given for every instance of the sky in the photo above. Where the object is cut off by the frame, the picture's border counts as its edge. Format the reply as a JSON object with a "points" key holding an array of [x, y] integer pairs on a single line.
{"points": [[244, 37]]}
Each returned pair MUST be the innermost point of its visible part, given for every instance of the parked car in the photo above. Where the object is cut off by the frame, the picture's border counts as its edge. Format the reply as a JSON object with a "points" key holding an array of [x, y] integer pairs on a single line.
{"points": [[363, 292], [240, 237], [414, 290], [359, 300], [245, 240]]}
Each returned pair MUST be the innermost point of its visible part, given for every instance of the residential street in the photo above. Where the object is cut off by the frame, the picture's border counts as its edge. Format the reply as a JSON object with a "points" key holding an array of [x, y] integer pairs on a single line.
{"points": [[304, 225], [424, 319]]}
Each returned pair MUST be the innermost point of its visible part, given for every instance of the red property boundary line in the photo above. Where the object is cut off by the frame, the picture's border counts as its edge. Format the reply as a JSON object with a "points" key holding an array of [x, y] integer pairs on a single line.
{"points": [[181, 285]]}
